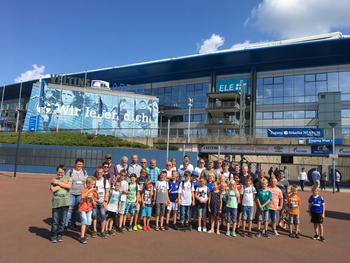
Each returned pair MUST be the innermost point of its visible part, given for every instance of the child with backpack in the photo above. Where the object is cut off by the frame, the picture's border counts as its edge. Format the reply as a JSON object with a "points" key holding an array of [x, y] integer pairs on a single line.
{"points": [[202, 197], [132, 200], [185, 200], [161, 200]]}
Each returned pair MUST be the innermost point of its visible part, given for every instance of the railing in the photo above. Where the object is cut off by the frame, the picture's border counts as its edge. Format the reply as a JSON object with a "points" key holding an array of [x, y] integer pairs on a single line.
{"points": [[222, 105], [219, 121]]}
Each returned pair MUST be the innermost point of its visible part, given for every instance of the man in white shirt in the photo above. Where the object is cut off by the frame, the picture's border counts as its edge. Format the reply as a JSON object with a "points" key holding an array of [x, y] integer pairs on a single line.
{"points": [[302, 178]]}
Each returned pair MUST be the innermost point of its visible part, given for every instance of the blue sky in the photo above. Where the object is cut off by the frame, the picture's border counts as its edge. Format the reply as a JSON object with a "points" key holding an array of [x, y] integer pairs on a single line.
{"points": [[40, 37]]}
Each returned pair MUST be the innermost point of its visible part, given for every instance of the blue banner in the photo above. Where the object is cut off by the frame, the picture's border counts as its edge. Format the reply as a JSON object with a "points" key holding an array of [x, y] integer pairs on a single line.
{"points": [[324, 150], [232, 85], [295, 132], [324, 141]]}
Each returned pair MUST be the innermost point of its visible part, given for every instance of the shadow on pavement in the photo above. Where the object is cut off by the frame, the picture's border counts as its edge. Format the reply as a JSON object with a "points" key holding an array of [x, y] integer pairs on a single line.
{"points": [[337, 215]]}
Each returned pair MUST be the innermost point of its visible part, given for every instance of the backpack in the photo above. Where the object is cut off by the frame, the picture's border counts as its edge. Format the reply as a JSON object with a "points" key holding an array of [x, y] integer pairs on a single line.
{"points": [[183, 184]]}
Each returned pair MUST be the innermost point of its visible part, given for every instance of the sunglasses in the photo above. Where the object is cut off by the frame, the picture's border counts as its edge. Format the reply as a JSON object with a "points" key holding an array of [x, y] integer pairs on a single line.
{"points": [[105, 166]]}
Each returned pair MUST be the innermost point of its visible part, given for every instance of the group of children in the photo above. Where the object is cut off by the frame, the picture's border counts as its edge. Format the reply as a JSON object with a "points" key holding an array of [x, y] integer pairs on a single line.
{"points": [[192, 199]]}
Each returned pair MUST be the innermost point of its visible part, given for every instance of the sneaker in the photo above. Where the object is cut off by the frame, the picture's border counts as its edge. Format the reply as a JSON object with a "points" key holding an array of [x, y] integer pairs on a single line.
{"points": [[250, 235], [199, 229], [228, 233], [139, 227], [82, 240], [233, 233], [54, 239], [86, 237], [135, 228], [238, 231], [210, 231], [104, 234], [145, 228], [315, 237], [242, 234], [149, 228], [59, 238], [266, 235], [122, 230], [176, 227], [166, 227], [189, 227], [93, 235], [204, 229], [322, 239], [275, 233], [130, 229], [111, 232], [258, 234], [291, 235], [74, 226], [297, 236]]}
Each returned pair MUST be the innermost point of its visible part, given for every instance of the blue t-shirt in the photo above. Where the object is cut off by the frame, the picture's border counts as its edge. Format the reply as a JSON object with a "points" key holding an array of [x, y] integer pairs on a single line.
{"points": [[210, 186], [173, 190], [316, 203]]}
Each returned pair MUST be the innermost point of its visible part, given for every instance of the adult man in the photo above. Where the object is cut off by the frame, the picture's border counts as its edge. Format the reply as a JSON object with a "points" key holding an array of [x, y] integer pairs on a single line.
{"points": [[184, 167], [78, 176], [112, 168], [124, 165], [210, 168], [257, 181], [323, 180], [134, 167], [169, 170], [144, 163], [302, 178], [316, 177], [153, 171], [201, 166], [286, 173], [190, 166], [245, 173]]}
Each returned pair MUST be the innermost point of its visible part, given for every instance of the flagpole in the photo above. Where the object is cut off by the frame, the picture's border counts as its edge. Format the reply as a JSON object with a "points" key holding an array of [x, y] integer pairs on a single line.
{"points": [[2, 103], [19, 105], [82, 116]]}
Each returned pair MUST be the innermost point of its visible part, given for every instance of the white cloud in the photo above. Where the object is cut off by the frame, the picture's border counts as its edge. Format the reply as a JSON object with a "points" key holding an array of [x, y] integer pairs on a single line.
{"points": [[35, 73], [296, 18], [211, 44]]}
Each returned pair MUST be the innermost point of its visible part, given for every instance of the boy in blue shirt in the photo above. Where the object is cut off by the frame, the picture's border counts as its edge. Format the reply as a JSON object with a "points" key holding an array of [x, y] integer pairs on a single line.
{"points": [[173, 194], [317, 211]]}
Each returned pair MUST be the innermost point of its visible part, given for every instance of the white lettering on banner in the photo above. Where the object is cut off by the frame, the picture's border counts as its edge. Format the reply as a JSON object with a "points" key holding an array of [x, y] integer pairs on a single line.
{"points": [[68, 110]]}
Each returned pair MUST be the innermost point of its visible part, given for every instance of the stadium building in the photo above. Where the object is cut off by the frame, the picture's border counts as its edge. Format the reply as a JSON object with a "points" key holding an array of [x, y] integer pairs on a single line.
{"points": [[290, 87]]}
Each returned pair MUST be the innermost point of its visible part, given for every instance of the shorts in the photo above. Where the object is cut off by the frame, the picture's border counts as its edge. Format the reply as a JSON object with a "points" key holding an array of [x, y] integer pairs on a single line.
{"points": [[137, 207], [122, 207], [130, 208], [146, 211], [239, 208], [99, 209], [247, 212], [160, 209], [293, 219], [231, 215], [202, 210], [273, 215], [111, 214], [263, 216], [316, 218], [85, 218], [173, 206]]}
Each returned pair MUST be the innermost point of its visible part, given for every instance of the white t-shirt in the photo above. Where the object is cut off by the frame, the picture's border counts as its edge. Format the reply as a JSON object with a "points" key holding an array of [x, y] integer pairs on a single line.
{"points": [[185, 191], [247, 194], [101, 189], [123, 186], [113, 201], [227, 176], [302, 176], [202, 192], [199, 170]]}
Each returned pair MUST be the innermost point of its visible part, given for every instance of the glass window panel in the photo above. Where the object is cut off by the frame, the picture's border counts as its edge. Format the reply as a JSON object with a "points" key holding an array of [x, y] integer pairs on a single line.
{"points": [[267, 101], [345, 96], [190, 87], [277, 100], [310, 77], [288, 99], [259, 115], [299, 114], [267, 115], [259, 101], [310, 98], [167, 90], [310, 88], [310, 114], [278, 91], [160, 90], [278, 115], [278, 80], [344, 81], [332, 80], [288, 115], [268, 81], [268, 91], [321, 87], [345, 113], [321, 77], [198, 86]]}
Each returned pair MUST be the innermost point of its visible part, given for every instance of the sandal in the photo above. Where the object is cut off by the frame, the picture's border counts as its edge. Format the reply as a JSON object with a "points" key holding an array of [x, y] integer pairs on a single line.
{"points": [[162, 228], [156, 228]]}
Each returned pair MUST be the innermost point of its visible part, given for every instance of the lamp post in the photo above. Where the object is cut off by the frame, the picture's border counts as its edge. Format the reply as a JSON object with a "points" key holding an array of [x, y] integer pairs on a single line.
{"points": [[333, 124], [190, 104], [20, 113]]}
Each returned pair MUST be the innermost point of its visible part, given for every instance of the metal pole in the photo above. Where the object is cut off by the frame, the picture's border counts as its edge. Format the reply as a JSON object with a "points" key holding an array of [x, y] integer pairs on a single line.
{"points": [[167, 142], [20, 112], [57, 120], [190, 103], [333, 160]]}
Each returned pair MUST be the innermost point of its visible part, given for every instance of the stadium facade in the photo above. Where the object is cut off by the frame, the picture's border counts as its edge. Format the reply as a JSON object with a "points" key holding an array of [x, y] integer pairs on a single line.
{"points": [[297, 83]]}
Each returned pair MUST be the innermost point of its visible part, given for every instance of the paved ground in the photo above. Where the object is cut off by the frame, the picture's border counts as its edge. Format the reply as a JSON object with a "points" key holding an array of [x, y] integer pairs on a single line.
{"points": [[25, 234]]}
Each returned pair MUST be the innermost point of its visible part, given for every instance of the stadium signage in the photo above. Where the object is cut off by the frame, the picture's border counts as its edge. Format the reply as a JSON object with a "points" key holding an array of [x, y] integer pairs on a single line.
{"points": [[295, 132], [232, 85]]}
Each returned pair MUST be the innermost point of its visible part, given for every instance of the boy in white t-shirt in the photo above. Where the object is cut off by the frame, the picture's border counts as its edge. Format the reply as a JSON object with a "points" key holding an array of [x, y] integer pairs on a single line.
{"points": [[124, 186], [201, 195], [161, 200], [113, 207], [185, 200], [248, 193]]}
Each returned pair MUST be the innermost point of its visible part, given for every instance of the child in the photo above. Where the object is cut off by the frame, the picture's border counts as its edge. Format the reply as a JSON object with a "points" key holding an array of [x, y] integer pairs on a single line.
{"points": [[223, 189], [239, 207], [60, 203], [263, 199], [215, 206], [201, 195], [132, 199], [276, 204], [173, 194], [317, 211], [124, 191], [113, 207], [284, 218], [146, 199], [226, 173], [89, 198], [232, 199], [185, 199], [140, 182], [161, 199], [210, 181], [193, 209], [248, 193], [293, 202]]}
